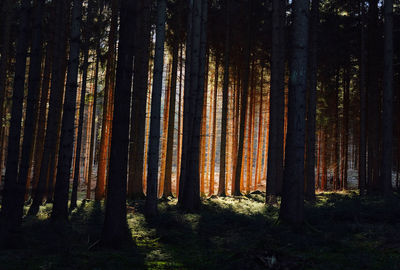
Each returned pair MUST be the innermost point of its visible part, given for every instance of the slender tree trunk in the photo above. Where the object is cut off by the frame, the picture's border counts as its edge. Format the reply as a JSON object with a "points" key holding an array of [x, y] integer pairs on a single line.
{"points": [[323, 161], [189, 199], [260, 141], [292, 207], [60, 207], [373, 98], [164, 134], [312, 104], [187, 100], [11, 184], [250, 137], [179, 150], [387, 136], [41, 118], [214, 126], [92, 142], [7, 14], [336, 138], [139, 99], [225, 94], [346, 108], [243, 106], [31, 108], [82, 108], [154, 137], [362, 182], [55, 103], [115, 229], [171, 122], [276, 104], [107, 106]]}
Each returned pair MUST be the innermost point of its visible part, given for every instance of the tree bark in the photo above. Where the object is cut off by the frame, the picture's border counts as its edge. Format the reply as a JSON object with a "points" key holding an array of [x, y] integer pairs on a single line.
{"points": [[60, 206], [276, 104], [225, 94], [154, 137], [107, 107], [11, 189], [312, 104], [292, 207], [85, 67], [139, 98], [387, 136], [171, 122], [115, 229], [243, 106]]}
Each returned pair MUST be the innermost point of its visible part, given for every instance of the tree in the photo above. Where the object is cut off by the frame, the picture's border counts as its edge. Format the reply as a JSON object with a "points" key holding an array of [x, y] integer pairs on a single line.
{"points": [[363, 107], [31, 109], [12, 187], [276, 114], [107, 107], [154, 138], [292, 207], [171, 122], [85, 66], [243, 106], [115, 229], [214, 126], [312, 104], [60, 206], [224, 121], [139, 97], [387, 129], [55, 104]]}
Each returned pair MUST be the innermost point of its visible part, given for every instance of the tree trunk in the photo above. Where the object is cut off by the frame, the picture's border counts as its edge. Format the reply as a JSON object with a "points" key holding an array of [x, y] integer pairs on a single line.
{"points": [[225, 94], [276, 104], [41, 118], [164, 134], [189, 199], [7, 14], [60, 207], [214, 126], [312, 104], [154, 137], [139, 98], [387, 136], [292, 207], [171, 122], [243, 106], [179, 150], [82, 107], [107, 106], [346, 108], [55, 104], [12, 186], [373, 98], [362, 182], [92, 142], [115, 229]]}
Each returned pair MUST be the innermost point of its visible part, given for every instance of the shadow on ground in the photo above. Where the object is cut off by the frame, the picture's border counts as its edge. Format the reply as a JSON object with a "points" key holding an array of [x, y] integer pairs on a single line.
{"points": [[343, 231]]}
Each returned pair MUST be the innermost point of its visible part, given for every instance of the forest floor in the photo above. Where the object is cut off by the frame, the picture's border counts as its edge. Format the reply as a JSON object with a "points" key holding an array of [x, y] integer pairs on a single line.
{"points": [[343, 231]]}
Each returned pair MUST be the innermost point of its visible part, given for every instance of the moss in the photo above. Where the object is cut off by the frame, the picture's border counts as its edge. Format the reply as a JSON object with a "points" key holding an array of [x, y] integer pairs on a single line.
{"points": [[342, 231]]}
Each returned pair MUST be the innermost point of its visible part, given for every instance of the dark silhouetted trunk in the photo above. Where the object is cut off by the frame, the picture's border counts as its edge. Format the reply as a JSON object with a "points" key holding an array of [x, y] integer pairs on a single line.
{"points": [[154, 137], [276, 104], [387, 117], [115, 229], [312, 104], [12, 186], [292, 207]]}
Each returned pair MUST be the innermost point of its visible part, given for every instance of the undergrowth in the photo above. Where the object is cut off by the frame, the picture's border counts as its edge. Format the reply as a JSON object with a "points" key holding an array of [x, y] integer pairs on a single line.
{"points": [[342, 231]]}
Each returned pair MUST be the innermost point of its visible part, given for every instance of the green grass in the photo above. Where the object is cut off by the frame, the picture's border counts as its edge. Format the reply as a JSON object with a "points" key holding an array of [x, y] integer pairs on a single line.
{"points": [[342, 231]]}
